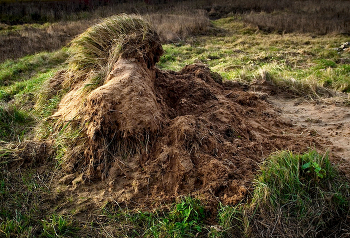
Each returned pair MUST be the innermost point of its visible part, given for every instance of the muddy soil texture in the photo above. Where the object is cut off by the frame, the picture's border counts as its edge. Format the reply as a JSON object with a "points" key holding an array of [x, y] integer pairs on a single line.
{"points": [[152, 135]]}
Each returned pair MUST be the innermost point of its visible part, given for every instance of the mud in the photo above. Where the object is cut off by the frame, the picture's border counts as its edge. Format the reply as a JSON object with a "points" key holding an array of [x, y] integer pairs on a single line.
{"points": [[153, 135]]}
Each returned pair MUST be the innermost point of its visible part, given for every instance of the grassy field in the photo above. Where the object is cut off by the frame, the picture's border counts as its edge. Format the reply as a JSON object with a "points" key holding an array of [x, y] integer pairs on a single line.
{"points": [[241, 52], [54, 23], [311, 193]]}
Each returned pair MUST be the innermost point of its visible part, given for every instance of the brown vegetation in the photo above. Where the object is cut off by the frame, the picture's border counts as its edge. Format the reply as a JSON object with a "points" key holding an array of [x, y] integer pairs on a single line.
{"points": [[27, 40], [320, 17], [174, 28], [173, 20]]}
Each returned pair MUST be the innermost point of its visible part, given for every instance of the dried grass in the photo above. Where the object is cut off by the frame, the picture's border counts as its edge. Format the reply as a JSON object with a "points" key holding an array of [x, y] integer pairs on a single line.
{"points": [[298, 22], [19, 41], [177, 21], [95, 51], [178, 27]]}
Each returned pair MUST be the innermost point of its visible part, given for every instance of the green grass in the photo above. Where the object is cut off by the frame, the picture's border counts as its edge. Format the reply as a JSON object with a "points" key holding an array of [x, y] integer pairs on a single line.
{"points": [[230, 220], [26, 226], [21, 90], [6, 29], [21, 86], [300, 62], [184, 219], [294, 195], [21, 80], [59, 226], [26, 206], [12, 71], [14, 123], [291, 190]]}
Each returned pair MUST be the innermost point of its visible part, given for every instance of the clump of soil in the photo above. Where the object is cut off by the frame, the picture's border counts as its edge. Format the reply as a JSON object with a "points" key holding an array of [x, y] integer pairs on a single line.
{"points": [[153, 134], [148, 134]]}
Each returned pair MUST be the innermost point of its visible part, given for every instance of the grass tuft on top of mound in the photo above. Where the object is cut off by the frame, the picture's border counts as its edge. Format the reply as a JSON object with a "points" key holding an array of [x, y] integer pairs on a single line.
{"points": [[94, 52]]}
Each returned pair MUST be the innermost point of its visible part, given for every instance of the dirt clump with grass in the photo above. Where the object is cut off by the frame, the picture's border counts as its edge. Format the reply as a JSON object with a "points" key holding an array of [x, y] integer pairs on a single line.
{"points": [[145, 135]]}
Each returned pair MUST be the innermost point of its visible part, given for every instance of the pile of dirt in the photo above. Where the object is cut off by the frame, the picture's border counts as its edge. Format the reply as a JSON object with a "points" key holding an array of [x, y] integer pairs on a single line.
{"points": [[147, 134], [154, 135]]}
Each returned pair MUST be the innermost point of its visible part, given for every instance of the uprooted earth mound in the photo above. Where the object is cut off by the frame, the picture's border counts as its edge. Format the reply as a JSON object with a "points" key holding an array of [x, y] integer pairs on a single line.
{"points": [[148, 134]]}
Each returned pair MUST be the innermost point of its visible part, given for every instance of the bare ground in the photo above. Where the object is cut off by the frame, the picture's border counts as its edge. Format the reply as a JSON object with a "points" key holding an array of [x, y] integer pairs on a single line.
{"points": [[328, 119]]}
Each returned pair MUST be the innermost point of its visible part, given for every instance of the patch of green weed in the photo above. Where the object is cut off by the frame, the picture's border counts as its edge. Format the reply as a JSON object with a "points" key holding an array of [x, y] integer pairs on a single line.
{"points": [[59, 226], [230, 221], [294, 195], [184, 219]]}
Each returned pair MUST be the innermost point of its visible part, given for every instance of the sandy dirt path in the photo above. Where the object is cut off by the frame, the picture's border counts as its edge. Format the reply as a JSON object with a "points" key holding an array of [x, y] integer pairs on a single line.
{"points": [[330, 120]]}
